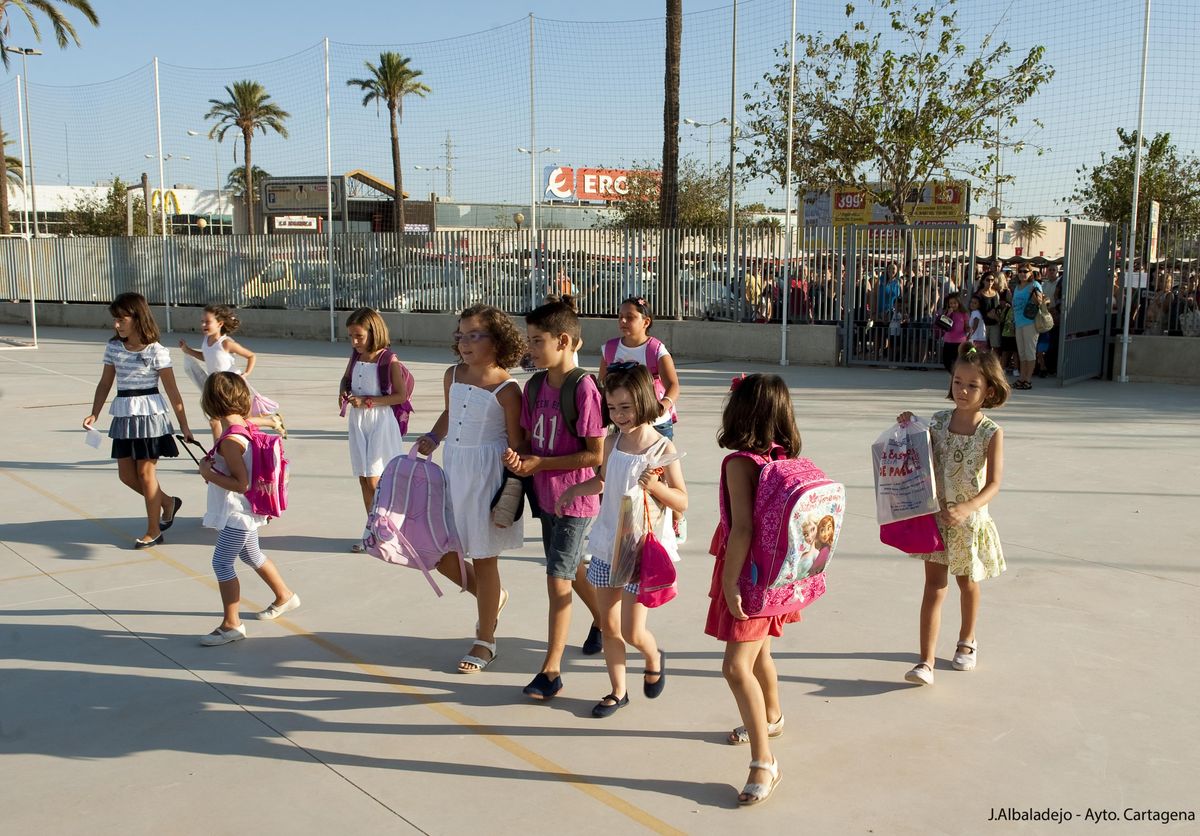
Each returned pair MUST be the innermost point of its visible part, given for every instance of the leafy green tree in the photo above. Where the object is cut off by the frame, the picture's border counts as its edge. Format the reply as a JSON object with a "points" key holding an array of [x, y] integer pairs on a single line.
{"points": [[236, 182], [248, 109], [887, 111], [13, 176], [389, 82], [91, 214], [1104, 191], [64, 30], [701, 198]]}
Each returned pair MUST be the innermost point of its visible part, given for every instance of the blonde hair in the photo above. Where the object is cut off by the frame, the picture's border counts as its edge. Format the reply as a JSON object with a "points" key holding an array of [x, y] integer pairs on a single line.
{"points": [[377, 330]]}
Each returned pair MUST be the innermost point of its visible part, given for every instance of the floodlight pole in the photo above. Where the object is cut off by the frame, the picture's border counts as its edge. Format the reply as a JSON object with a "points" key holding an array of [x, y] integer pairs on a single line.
{"points": [[162, 196], [533, 229], [787, 188], [25, 214], [732, 136], [329, 199], [1123, 377]]}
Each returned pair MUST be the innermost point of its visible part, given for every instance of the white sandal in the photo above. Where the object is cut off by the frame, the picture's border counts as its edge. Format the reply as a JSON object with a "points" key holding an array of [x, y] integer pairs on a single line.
{"points": [[965, 661], [922, 674], [477, 664], [760, 792], [740, 735]]}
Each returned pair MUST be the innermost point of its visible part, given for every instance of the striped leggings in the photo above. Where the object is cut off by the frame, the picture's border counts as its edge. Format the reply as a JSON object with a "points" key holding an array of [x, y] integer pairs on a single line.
{"points": [[233, 543]]}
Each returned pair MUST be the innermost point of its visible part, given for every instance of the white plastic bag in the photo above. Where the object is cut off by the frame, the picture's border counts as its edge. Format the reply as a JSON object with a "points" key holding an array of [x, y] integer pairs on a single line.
{"points": [[905, 486]]}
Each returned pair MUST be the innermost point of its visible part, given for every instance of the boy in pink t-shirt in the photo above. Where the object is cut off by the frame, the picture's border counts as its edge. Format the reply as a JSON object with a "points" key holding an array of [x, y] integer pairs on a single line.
{"points": [[561, 450]]}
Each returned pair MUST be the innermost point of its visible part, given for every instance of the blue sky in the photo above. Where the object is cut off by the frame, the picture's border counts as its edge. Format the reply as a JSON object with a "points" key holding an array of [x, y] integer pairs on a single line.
{"points": [[599, 85]]}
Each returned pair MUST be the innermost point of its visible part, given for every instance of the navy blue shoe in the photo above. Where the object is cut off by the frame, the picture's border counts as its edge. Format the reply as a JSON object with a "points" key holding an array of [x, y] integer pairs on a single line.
{"points": [[594, 642], [543, 687], [653, 689], [602, 710]]}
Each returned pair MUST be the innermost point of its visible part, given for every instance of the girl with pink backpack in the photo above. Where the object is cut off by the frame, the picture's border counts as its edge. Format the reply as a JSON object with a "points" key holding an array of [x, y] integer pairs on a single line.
{"points": [[227, 469], [758, 423]]}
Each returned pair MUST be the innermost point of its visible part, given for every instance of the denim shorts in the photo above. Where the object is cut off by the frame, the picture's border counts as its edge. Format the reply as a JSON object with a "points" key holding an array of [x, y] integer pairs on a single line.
{"points": [[563, 539], [666, 429]]}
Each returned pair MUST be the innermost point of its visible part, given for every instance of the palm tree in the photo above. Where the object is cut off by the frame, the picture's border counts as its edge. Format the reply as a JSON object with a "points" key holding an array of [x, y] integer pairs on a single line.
{"points": [[1029, 229], [14, 176], [64, 31], [390, 81], [236, 182], [248, 109], [669, 205]]}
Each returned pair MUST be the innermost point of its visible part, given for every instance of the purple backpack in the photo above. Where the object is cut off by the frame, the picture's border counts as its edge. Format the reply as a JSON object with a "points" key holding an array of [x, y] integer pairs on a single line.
{"points": [[267, 493], [652, 345], [384, 369], [410, 523]]}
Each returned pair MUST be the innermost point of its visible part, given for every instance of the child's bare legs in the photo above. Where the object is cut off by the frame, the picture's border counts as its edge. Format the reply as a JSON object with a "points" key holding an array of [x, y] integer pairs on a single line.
{"points": [[231, 598], [273, 579], [141, 477], [559, 592], [931, 609], [368, 484], [740, 668], [487, 601], [448, 567], [969, 602], [586, 592], [633, 630], [768, 680], [609, 603]]}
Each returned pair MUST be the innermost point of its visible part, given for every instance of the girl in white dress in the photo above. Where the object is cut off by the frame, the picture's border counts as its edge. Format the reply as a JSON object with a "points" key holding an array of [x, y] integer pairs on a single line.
{"points": [[141, 428], [481, 420], [631, 458], [375, 437], [217, 349]]}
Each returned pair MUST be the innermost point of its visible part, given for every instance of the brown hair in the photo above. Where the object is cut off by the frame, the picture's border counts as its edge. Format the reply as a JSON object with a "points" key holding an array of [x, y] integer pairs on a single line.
{"points": [[377, 330], [989, 368], [225, 393], [135, 305], [506, 339], [556, 317], [635, 379], [828, 518], [758, 414], [641, 305], [224, 315]]}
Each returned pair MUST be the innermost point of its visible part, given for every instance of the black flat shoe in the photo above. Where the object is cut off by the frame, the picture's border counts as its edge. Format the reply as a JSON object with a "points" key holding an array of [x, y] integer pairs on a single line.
{"points": [[145, 544], [653, 689], [594, 642], [543, 687], [165, 524], [602, 710]]}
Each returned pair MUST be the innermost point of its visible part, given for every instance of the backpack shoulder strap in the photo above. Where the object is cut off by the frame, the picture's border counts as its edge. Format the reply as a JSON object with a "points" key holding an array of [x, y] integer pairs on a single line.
{"points": [[534, 387], [568, 399], [383, 370], [610, 351], [652, 346], [349, 371]]}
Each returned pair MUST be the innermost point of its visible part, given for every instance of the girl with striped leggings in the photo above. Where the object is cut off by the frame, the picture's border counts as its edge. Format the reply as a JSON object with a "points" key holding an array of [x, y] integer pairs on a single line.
{"points": [[226, 469]]}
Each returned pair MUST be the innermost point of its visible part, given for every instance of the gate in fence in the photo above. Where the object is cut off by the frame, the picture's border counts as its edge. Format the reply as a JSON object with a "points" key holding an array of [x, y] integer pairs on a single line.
{"points": [[1084, 315], [897, 282]]}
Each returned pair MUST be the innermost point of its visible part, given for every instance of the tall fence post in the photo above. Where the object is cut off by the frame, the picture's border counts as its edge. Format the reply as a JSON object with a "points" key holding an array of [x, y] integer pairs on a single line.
{"points": [[329, 198], [162, 199]]}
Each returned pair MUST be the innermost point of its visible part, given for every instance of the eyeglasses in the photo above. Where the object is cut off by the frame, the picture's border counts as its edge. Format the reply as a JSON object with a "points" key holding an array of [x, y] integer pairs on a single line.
{"points": [[471, 336]]}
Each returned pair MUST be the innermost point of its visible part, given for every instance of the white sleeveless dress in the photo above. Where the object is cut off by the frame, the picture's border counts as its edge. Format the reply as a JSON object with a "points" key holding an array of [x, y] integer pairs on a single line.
{"points": [[476, 438], [375, 437], [216, 358]]}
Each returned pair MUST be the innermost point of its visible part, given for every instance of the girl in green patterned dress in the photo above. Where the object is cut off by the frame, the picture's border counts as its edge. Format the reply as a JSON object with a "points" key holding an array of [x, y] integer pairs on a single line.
{"points": [[968, 460]]}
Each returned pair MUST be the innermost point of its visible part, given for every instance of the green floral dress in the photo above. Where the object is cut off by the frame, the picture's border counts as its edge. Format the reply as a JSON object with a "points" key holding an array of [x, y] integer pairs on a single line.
{"points": [[972, 547]]}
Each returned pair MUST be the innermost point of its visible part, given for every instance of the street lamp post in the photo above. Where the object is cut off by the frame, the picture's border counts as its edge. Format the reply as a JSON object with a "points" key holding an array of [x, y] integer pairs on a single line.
{"points": [[431, 169], [533, 230], [217, 175], [722, 121], [25, 52], [994, 216]]}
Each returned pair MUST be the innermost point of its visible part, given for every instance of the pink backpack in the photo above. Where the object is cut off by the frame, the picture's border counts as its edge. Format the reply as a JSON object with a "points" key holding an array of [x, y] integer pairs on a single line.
{"points": [[383, 368], [652, 346], [410, 523], [267, 493], [798, 517]]}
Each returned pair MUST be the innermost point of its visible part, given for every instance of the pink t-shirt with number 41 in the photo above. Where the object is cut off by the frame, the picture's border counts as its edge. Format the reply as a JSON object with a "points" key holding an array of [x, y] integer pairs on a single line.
{"points": [[548, 436]]}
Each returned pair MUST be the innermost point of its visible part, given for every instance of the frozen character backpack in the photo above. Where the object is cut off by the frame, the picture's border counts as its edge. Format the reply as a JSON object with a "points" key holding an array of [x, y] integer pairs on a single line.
{"points": [[797, 519], [411, 523], [383, 367], [653, 344], [267, 493]]}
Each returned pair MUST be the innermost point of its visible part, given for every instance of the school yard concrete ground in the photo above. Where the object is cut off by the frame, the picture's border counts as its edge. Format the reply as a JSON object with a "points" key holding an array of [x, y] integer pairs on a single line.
{"points": [[347, 716]]}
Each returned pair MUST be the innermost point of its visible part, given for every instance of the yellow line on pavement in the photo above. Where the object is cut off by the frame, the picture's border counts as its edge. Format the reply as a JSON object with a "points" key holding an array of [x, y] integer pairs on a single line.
{"points": [[89, 568], [609, 799]]}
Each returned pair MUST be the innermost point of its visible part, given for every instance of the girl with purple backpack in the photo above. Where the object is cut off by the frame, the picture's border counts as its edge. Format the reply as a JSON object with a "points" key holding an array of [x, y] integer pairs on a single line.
{"points": [[375, 395], [758, 419], [226, 469]]}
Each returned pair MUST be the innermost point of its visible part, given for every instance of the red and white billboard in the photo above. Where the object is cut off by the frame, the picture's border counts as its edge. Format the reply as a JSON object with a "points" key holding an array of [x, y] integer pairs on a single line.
{"points": [[566, 183]]}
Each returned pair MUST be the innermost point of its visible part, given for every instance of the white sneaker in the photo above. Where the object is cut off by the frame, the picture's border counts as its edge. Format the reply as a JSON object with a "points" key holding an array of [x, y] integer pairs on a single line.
{"points": [[274, 611], [922, 674], [965, 661], [218, 636]]}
